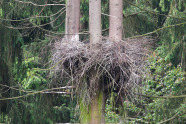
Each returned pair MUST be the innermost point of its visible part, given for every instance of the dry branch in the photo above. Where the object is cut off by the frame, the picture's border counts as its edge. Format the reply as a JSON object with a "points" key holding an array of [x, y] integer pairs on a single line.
{"points": [[118, 64]]}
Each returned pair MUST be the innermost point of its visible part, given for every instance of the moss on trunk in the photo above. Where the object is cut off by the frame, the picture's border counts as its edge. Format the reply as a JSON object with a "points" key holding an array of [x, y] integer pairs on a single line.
{"points": [[94, 112]]}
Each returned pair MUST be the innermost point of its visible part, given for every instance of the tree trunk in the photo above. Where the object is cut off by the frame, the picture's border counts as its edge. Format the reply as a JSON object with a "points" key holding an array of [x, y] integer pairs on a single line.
{"points": [[97, 103], [116, 19], [95, 114], [72, 20], [95, 21]]}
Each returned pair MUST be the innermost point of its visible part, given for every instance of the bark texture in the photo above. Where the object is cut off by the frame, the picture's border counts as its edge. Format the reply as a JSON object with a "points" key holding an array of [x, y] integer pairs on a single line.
{"points": [[96, 106], [95, 21], [116, 19], [72, 19], [97, 115]]}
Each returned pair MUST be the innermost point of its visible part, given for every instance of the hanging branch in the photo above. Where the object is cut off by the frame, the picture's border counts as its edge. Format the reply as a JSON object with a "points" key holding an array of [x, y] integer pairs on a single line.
{"points": [[173, 117], [34, 4], [157, 30], [39, 92], [33, 17], [163, 97], [152, 12]]}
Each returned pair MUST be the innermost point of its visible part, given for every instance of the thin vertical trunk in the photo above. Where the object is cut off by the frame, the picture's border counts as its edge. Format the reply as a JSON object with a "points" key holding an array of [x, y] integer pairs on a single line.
{"points": [[95, 113], [72, 19], [116, 19], [95, 21], [183, 56], [116, 22]]}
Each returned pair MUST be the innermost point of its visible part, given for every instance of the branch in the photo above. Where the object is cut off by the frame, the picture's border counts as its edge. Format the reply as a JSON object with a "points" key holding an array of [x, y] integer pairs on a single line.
{"points": [[110, 84], [37, 92], [164, 97], [173, 117], [132, 14], [36, 16], [109, 15], [34, 4], [157, 30], [54, 92], [15, 88], [152, 12], [11, 27]]}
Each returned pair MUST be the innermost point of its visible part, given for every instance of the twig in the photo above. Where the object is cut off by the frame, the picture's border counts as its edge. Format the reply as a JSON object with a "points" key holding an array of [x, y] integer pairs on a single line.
{"points": [[157, 30], [164, 97], [173, 117], [34, 4], [36, 16], [37, 92]]}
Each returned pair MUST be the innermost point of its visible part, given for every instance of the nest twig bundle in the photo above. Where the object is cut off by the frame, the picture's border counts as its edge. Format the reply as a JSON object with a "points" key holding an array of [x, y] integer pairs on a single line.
{"points": [[117, 63]]}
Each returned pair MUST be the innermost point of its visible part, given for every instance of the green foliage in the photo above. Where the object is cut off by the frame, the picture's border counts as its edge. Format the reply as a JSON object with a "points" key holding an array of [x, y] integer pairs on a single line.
{"points": [[84, 8], [110, 115], [26, 75], [164, 4], [20, 53], [110, 111], [41, 108], [136, 20], [163, 78], [131, 107], [66, 112], [34, 80], [104, 18], [1, 12], [173, 39]]}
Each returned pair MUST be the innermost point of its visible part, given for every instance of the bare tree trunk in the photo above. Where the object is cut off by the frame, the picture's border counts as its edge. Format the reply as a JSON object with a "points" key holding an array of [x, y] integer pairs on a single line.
{"points": [[72, 19], [95, 21], [96, 116], [116, 19], [97, 106], [96, 109]]}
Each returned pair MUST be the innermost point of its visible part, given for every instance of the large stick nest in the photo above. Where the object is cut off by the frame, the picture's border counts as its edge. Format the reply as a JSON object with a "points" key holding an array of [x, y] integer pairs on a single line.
{"points": [[118, 64]]}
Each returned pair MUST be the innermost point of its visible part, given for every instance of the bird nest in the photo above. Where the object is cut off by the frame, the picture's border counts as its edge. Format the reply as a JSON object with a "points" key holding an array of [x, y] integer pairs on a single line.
{"points": [[117, 64]]}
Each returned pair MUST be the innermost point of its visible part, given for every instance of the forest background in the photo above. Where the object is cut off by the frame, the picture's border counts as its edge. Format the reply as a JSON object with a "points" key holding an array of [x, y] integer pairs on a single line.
{"points": [[28, 29]]}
